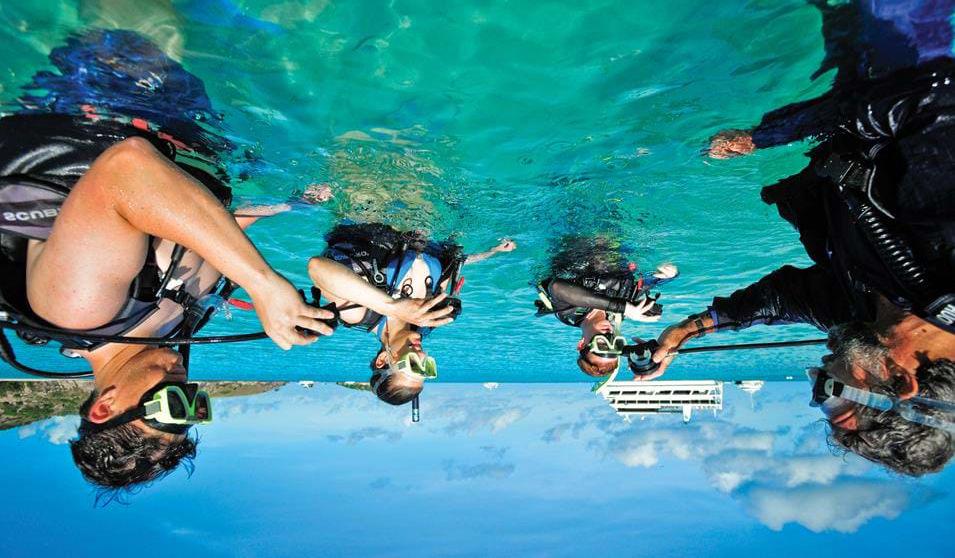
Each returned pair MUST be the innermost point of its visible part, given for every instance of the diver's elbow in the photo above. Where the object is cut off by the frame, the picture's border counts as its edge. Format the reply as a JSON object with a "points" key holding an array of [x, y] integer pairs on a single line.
{"points": [[316, 266]]}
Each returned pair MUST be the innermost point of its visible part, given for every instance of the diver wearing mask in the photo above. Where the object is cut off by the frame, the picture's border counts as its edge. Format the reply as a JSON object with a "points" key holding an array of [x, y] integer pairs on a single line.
{"points": [[590, 287], [875, 210], [399, 286]]}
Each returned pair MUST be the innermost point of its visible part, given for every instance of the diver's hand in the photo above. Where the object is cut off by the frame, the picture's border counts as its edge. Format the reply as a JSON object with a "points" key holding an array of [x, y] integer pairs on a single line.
{"points": [[666, 271], [673, 338], [731, 143], [638, 312], [281, 309], [421, 312], [506, 245]]}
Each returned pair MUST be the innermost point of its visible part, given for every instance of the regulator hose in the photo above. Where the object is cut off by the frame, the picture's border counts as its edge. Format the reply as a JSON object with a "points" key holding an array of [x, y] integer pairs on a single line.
{"points": [[893, 250]]}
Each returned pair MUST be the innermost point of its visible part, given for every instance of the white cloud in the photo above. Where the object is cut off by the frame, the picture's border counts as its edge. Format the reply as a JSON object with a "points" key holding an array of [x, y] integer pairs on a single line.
{"points": [[471, 419], [641, 455], [641, 447], [62, 429]]}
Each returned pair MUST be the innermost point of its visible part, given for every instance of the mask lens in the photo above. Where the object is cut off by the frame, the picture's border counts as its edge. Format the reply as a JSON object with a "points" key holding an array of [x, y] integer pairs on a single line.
{"points": [[422, 366], [600, 343], [818, 378], [177, 407], [833, 406], [203, 406], [426, 366], [430, 368]]}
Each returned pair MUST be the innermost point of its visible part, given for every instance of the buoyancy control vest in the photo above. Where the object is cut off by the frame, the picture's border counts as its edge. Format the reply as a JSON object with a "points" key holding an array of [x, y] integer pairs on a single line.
{"points": [[41, 159]]}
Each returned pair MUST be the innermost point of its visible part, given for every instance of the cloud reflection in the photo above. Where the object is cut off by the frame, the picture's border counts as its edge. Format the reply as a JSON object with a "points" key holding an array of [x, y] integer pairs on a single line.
{"points": [[770, 460], [843, 507], [779, 478], [56, 430]]}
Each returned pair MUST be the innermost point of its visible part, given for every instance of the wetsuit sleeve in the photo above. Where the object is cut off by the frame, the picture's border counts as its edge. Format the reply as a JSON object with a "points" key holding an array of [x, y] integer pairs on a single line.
{"points": [[788, 295], [568, 295], [797, 121]]}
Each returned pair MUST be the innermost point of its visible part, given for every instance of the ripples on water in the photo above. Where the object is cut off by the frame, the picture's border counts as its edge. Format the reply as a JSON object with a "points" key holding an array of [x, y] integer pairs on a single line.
{"points": [[523, 120]]}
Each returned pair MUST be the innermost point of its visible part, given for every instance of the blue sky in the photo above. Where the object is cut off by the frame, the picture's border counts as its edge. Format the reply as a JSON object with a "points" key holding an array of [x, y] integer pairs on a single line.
{"points": [[546, 470]]}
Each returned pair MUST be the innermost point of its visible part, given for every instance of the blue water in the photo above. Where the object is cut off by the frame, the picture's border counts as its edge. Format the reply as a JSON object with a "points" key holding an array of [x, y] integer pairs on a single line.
{"points": [[487, 120]]}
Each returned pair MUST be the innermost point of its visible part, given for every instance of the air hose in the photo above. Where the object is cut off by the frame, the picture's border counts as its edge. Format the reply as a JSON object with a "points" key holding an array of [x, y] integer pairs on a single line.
{"points": [[892, 249]]}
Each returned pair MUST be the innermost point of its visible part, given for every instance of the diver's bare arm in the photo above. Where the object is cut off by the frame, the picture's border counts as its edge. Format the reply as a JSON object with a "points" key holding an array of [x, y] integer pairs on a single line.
{"points": [[341, 282], [314, 194], [506, 245], [337, 280], [132, 190], [156, 197]]}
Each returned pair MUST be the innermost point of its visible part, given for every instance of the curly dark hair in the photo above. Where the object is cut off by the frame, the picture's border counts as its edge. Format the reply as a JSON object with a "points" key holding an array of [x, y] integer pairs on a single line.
{"points": [[903, 446], [124, 459]]}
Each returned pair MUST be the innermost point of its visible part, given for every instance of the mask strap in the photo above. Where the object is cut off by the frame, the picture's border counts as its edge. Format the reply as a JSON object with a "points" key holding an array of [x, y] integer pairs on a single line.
{"points": [[862, 397], [908, 410]]}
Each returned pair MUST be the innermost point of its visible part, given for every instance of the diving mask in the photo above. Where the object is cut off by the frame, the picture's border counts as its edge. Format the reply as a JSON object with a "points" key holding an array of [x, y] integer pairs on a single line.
{"points": [[607, 345], [171, 407], [830, 394], [411, 365]]}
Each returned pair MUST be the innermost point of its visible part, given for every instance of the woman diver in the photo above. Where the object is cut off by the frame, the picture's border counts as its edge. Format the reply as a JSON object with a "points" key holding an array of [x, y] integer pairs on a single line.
{"points": [[377, 277]]}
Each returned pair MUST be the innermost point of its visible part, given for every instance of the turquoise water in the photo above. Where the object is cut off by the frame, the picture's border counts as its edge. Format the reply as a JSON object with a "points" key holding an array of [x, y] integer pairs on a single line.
{"points": [[485, 120]]}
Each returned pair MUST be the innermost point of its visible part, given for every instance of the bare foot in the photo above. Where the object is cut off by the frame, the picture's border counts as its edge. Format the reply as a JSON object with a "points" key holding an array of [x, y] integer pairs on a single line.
{"points": [[317, 193]]}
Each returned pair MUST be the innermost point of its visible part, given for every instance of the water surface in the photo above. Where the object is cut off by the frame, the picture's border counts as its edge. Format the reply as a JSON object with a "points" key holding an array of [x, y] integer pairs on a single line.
{"points": [[484, 120]]}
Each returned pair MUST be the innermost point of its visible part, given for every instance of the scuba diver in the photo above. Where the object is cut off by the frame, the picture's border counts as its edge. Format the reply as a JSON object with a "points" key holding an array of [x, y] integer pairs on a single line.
{"points": [[875, 210], [591, 287], [114, 225], [398, 285]]}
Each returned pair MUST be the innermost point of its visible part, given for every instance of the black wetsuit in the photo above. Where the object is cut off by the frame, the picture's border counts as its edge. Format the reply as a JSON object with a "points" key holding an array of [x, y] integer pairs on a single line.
{"points": [[900, 123]]}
